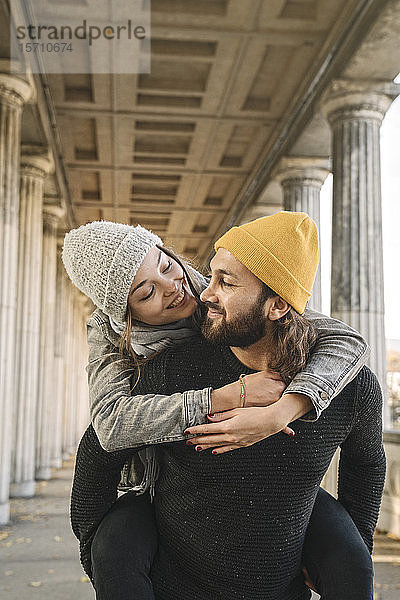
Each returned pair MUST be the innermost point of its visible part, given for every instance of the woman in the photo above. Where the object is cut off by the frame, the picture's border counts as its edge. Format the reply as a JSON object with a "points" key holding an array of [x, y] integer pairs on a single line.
{"points": [[131, 270]]}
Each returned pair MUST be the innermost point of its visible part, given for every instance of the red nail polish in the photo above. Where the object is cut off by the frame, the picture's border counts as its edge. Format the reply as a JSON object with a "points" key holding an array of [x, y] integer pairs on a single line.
{"points": [[188, 443], [214, 452], [292, 433], [198, 448], [211, 415]]}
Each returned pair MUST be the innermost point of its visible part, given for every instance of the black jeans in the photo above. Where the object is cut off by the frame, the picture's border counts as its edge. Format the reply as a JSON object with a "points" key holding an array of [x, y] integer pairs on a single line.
{"points": [[125, 544]]}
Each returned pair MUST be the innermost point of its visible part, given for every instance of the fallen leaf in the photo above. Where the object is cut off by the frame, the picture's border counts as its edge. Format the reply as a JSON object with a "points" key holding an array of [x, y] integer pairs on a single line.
{"points": [[57, 538], [20, 540], [51, 571], [35, 583], [8, 573], [4, 535], [28, 540], [55, 557], [84, 579]]}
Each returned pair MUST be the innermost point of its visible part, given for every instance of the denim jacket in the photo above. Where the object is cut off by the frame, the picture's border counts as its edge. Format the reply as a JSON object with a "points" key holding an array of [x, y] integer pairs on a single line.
{"points": [[123, 420]]}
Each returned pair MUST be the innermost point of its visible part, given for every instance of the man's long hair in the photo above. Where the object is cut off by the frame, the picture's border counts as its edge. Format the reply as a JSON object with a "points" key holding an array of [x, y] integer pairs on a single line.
{"points": [[292, 340]]}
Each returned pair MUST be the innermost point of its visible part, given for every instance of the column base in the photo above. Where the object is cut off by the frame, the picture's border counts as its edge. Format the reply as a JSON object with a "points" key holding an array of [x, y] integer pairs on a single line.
{"points": [[56, 463], [43, 473], [67, 455], [4, 513], [26, 489]]}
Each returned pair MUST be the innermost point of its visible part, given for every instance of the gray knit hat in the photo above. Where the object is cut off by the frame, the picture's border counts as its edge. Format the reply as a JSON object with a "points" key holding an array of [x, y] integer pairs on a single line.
{"points": [[102, 258]]}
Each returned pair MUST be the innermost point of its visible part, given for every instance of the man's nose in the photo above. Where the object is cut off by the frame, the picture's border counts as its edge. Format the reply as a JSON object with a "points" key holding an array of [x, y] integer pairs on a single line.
{"points": [[208, 295]]}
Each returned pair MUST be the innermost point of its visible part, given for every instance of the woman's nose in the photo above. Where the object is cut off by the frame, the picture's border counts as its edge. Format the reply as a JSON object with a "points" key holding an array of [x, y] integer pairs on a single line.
{"points": [[171, 286]]}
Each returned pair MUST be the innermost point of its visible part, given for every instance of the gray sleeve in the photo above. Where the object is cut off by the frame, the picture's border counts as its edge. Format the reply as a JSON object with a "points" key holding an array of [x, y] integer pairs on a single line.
{"points": [[338, 356], [122, 419]]}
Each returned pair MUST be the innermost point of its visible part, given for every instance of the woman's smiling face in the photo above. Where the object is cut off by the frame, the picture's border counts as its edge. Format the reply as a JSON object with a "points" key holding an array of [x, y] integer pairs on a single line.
{"points": [[159, 292]]}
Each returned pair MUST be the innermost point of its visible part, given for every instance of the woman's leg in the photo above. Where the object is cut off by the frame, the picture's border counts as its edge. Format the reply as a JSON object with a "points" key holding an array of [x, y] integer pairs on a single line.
{"points": [[123, 550], [334, 553]]}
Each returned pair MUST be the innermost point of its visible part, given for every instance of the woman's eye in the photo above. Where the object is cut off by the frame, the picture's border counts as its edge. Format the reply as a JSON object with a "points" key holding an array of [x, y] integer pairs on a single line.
{"points": [[148, 295], [167, 268]]}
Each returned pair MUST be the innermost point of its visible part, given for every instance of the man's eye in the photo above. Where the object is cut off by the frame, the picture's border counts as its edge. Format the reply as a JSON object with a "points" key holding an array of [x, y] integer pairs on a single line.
{"points": [[225, 283], [148, 295], [167, 268]]}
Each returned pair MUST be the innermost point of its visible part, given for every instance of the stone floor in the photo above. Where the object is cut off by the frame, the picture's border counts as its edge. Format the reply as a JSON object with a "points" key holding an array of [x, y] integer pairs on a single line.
{"points": [[39, 555]]}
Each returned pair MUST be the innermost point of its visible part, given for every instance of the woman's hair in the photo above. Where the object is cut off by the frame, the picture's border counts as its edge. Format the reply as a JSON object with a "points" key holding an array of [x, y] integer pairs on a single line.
{"points": [[293, 338]]}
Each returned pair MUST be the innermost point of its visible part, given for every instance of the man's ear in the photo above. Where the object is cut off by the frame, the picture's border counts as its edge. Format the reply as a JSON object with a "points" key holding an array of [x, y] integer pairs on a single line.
{"points": [[277, 308]]}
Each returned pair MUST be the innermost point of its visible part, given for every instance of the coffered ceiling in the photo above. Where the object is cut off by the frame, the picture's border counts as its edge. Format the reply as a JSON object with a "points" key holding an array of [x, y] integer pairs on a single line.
{"points": [[181, 149]]}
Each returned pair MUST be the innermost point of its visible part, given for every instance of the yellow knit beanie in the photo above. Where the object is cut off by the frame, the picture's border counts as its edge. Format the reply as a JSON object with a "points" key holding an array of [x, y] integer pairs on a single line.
{"points": [[281, 250]]}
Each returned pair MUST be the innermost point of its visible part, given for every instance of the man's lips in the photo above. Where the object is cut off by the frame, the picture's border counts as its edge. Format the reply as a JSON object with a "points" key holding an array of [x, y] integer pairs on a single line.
{"points": [[213, 312]]}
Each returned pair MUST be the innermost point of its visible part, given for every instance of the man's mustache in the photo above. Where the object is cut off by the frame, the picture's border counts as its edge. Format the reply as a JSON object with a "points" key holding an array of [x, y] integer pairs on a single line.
{"points": [[215, 307]]}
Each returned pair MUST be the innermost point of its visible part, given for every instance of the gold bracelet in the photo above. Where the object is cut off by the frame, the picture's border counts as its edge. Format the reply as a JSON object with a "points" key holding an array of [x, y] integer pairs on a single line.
{"points": [[242, 391]]}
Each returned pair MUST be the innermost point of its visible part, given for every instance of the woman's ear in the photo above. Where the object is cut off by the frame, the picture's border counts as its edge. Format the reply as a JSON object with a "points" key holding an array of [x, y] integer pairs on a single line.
{"points": [[277, 308]]}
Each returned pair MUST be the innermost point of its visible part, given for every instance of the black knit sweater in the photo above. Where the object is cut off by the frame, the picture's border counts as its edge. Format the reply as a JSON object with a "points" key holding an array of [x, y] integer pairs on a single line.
{"points": [[232, 526]]}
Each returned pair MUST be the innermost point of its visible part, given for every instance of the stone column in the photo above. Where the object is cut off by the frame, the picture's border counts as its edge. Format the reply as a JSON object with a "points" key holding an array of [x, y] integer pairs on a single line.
{"points": [[82, 412], [59, 361], [301, 179], [355, 112], [70, 375], [14, 93], [35, 164], [47, 382]]}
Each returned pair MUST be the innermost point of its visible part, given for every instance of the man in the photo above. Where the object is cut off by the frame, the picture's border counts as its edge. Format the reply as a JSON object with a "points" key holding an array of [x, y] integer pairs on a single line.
{"points": [[233, 526]]}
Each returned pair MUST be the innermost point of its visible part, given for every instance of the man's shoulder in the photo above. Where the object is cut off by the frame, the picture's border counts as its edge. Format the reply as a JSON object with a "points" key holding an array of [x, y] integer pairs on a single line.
{"points": [[365, 392], [366, 380]]}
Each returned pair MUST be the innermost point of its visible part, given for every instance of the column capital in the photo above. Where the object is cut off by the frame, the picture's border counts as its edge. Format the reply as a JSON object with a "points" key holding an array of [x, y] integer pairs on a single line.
{"points": [[304, 169], [52, 214], [358, 99], [36, 161], [15, 88]]}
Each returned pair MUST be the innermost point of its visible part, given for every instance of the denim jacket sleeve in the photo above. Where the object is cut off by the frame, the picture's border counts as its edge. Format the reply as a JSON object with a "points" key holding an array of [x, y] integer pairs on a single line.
{"points": [[338, 356], [121, 419]]}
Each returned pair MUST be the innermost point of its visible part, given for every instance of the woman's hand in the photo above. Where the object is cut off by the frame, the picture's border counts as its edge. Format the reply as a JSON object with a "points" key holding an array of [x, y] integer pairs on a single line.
{"points": [[242, 427], [262, 389]]}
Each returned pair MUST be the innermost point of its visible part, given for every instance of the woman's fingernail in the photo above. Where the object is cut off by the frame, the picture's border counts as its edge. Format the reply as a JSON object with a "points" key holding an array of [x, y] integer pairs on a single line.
{"points": [[188, 443], [214, 452], [199, 448], [210, 415], [291, 433]]}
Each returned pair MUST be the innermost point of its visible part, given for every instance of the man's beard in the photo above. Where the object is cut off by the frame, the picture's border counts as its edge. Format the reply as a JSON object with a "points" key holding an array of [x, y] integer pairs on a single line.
{"points": [[242, 331]]}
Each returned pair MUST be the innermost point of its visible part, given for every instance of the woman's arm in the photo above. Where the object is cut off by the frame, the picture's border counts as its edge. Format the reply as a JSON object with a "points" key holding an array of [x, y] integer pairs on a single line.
{"points": [[338, 356], [123, 419]]}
